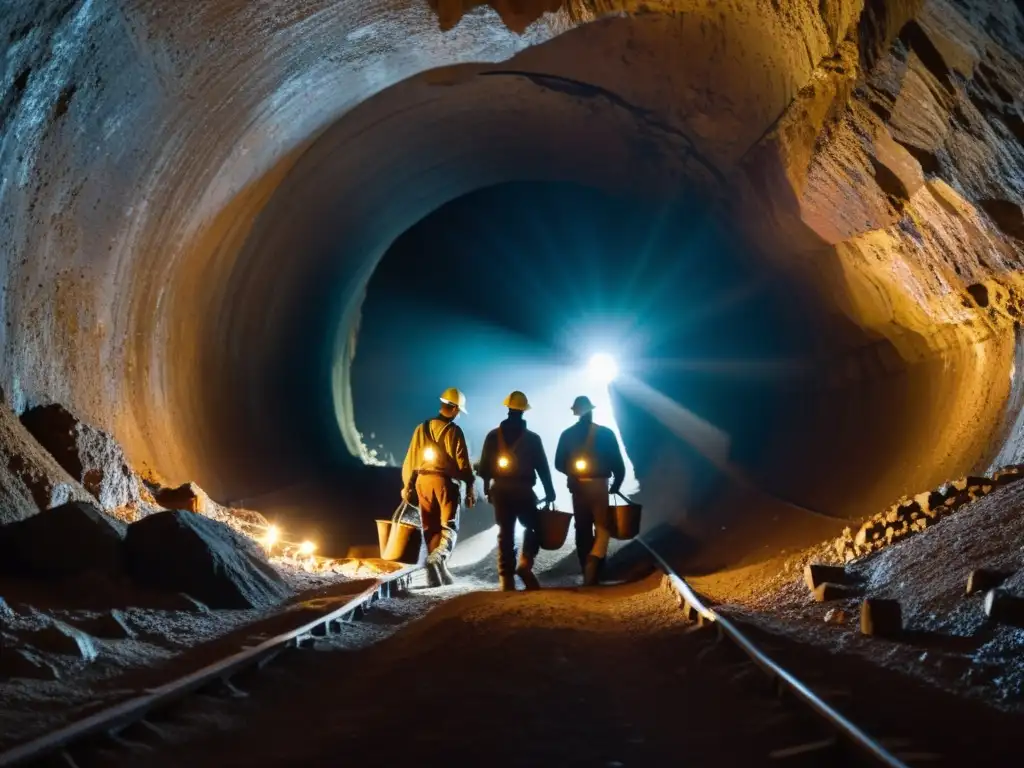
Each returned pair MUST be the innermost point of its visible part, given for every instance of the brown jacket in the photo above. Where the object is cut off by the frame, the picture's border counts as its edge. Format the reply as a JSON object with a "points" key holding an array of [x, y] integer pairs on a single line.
{"points": [[454, 459]]}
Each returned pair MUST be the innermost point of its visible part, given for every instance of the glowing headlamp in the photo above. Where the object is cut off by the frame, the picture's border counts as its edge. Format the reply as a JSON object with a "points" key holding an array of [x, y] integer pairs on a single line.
{"points": [[581, 465], [503, 462], [429, 454], [307, 548], [271, 537]]}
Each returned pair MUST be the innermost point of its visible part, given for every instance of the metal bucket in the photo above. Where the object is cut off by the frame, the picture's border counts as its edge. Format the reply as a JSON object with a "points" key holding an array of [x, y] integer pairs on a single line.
{"points": [[624, 519], [399, 542], [553, 526]]}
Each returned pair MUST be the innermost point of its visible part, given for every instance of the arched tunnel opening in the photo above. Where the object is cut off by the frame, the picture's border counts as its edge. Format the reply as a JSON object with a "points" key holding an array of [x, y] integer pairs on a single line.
{"points": [[253, 244]]}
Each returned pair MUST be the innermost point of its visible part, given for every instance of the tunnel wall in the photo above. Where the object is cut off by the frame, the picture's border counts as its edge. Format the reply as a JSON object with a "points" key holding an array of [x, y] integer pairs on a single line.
{"points": [[184, 194]]}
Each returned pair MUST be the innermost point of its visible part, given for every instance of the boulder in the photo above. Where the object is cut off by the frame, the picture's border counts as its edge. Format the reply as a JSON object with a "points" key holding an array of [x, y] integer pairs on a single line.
{"points": [[61, 638], [89, 455], [63, 541], [881, 618], [1004, 608], [30, 478], [186, 496], [179, 551]]}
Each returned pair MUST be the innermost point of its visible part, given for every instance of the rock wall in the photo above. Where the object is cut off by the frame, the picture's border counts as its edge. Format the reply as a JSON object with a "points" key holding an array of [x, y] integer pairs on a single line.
{"points": [[170, 185]]}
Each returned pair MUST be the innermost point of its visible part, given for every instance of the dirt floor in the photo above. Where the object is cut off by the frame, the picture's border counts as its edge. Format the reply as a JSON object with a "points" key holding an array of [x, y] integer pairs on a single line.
{"points": [[607, 676], [948, 640], [559, 677]]}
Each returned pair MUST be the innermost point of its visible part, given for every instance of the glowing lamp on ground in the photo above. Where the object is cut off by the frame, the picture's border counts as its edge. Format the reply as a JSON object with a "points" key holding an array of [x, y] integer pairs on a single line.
{"points": [[602, 368], [581, 465], [503, 462], [429, 454], [307, 548]]}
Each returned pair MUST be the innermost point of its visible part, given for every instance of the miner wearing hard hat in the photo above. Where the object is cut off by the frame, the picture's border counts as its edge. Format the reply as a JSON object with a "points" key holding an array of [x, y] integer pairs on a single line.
{"points": [[588, 454], [510, 462], [437, 460]]}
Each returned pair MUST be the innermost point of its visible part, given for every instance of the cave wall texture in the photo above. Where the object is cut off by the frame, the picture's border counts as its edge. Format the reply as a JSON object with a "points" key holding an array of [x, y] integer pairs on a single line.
{"points": [[184, 193]]}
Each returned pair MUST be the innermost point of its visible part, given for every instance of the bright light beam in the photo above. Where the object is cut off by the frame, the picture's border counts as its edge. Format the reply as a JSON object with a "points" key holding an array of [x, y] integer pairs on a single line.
{"points": [[602, 368]]}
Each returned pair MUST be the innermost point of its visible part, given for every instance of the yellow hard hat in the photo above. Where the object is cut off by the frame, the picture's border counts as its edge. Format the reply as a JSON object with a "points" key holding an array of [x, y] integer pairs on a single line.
{"points": [[454, 396], [517, 401]]}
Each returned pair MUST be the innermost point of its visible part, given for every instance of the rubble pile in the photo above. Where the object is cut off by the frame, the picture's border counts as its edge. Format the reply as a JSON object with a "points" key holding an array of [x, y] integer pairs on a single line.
{"points": [[912, 515]]}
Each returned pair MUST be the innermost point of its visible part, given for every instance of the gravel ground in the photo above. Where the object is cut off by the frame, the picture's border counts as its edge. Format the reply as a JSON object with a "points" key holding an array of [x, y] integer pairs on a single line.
{"points": [[169, 636], [949, 642], [606, 676]]}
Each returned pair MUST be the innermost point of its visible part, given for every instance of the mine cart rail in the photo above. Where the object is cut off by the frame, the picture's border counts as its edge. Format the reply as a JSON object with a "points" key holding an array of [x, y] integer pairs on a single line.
{"points": [[787, 683], [110, 721]]}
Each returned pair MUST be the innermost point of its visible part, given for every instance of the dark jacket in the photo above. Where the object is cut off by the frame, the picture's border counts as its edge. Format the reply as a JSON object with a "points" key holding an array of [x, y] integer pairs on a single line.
{"points": [[604, 459], [525, 452]]}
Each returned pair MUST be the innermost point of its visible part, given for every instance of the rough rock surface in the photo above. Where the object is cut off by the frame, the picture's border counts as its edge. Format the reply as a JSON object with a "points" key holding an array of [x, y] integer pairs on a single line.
{"points": [[64, 541], [30, 479], [913, 515], [181, 551], [874, 148], [90, 455]]}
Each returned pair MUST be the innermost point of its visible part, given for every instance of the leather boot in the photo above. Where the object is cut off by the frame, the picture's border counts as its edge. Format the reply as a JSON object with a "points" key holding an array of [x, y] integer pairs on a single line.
{"points": [[507, 583], [446, 575], [590, 573], [525, 572]]}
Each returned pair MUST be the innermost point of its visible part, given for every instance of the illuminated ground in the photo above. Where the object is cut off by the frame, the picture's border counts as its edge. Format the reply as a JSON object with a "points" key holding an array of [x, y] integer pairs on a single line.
{"points": [[589, 677]]}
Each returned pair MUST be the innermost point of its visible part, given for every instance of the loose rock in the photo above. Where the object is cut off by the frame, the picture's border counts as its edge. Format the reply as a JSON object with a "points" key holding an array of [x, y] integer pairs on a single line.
{"points": [[835, 616], [6, 612], [827, 592], [186, 496], [63, 541], [1004, 608], [983, 580], [881, 618], [815, 575], [90, 455], [180, 551]]}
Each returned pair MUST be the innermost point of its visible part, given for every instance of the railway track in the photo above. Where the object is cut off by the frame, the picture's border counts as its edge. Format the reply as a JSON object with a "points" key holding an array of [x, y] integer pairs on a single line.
{"points": [[62, 744], [843, 742]]}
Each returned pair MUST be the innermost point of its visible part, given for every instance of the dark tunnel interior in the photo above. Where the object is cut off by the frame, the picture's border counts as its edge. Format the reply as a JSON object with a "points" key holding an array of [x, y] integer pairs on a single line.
{"points": [[557, 272]]}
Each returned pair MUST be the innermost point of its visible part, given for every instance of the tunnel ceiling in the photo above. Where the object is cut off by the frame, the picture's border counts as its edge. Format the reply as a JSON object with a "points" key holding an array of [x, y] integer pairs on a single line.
{"points": [[185, 194]]}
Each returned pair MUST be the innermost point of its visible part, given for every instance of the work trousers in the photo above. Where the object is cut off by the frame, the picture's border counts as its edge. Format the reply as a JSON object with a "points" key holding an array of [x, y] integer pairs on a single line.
{"points": [[512, 503], [592, 518], [439, 514]]}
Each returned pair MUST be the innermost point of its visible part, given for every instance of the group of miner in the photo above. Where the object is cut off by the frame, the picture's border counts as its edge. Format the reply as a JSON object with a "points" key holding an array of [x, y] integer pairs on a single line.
{"points": [[511, 460]]}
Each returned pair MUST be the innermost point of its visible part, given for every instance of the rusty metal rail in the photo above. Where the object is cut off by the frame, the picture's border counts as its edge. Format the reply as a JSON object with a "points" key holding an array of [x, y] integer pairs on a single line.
{"points": [[114, 719], [844, 729]]}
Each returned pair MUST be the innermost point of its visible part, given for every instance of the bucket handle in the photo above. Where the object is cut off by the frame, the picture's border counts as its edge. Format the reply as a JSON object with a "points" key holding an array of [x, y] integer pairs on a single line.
{"points": [[396, 517], [625, 498]]}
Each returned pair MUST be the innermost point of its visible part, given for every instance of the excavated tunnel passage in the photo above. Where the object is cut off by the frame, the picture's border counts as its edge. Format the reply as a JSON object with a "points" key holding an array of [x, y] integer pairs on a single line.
{"points": [[195, 200]]}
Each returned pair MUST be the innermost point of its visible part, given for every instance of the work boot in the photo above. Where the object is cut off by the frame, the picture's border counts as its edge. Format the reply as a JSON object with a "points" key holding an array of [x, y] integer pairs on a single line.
{"points": [[507, 583], [446, 575], [525, 572], [590, 573], [433, 575]]}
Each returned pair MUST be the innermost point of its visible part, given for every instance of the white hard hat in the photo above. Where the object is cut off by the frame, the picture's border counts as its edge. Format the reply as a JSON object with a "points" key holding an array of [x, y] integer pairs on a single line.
{"points": [[454, 396]]}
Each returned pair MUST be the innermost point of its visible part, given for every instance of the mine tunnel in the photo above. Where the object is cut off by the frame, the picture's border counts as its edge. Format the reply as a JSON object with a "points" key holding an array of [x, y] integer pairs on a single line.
{"points": [[247, 245]]}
